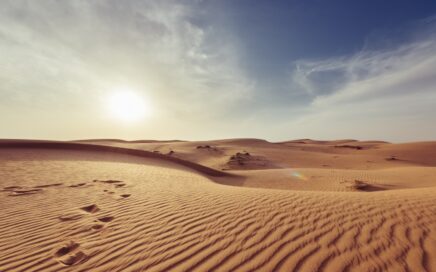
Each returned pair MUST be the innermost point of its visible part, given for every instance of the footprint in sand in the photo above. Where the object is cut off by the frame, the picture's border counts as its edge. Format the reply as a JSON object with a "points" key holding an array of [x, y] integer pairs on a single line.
{"points": [[48, 185], [11, 188], [97, 227], [70, 217], [116, 184], [18, 190], [22, 192], [110, 181], [90, 208], [70, 254], [78, 185], [93, 208], [101, 223], [106, 219]]}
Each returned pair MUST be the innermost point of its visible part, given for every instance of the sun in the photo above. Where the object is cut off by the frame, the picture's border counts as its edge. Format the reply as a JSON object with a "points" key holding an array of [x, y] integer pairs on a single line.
{"points": [[128, 106]]}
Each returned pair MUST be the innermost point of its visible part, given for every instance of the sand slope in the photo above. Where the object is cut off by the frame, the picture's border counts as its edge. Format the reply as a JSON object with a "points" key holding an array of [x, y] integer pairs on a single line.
{"points": [[341, 154], [81, 209]]}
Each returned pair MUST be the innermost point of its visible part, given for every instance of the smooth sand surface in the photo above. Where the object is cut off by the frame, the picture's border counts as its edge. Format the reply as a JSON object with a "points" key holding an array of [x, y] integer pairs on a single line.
{"points": [[227, 205]]}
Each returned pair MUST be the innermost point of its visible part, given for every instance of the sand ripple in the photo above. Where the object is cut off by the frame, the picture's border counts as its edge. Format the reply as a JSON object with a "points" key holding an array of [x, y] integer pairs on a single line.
{"points": [[168, 219]]}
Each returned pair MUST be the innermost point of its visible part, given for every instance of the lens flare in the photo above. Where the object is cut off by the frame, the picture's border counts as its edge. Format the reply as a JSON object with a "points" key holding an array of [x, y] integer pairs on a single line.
{"points": [[298, 175]]}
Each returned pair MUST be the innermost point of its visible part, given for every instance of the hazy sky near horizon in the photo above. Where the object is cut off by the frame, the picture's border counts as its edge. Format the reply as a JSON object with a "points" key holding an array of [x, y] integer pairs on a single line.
{"points": [[219, 69]]}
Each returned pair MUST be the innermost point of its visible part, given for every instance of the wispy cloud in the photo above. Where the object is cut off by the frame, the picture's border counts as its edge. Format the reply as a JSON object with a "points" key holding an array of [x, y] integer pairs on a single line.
{"points": [[369, 73], [372, 92], [57, 49]]}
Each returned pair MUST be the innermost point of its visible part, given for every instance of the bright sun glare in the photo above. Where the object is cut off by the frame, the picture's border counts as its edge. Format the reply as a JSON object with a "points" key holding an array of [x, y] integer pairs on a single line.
{"points": [[128, 106]]}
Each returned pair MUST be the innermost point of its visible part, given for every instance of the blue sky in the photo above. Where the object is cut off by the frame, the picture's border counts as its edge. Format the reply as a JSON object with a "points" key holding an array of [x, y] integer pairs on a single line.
{"points": [[219, 69], [275, 34]]}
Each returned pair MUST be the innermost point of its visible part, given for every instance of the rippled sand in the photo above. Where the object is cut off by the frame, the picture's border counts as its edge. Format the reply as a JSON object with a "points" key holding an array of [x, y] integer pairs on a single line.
{"points": [[71, 210]]}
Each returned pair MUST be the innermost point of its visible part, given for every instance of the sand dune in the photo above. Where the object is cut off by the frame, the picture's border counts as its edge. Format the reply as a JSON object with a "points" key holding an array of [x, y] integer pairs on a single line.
{"points": [[122, 207], [106, 148]]}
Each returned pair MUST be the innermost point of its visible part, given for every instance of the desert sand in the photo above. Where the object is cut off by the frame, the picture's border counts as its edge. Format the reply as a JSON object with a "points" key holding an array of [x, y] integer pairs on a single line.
{"points": [[224, 205]]}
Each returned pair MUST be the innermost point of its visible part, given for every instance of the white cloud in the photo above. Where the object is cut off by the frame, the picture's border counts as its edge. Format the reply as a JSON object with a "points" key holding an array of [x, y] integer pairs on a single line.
{"points": [[56, 52], [371, 94]]}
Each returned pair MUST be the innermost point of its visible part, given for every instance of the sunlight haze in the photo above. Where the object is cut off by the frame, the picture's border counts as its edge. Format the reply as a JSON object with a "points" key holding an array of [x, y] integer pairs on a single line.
{"points": [[217, 69]]}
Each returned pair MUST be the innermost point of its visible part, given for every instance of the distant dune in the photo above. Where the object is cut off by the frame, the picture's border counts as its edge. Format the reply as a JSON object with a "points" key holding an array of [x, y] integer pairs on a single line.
{"points": [[224, 205]]}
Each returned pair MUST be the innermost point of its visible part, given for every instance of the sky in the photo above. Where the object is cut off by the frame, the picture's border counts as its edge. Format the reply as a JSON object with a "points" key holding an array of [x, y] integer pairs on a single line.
{"points": [[208, 69]]}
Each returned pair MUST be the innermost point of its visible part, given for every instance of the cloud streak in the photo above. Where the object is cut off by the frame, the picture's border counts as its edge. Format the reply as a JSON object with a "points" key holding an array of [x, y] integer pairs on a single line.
{"points": [[87, 47], [372, 92]]}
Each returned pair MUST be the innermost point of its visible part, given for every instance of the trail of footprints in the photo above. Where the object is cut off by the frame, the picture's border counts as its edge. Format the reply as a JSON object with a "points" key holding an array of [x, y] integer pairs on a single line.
{"points": [[23, 191], [70, 253], [115, 183]]}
